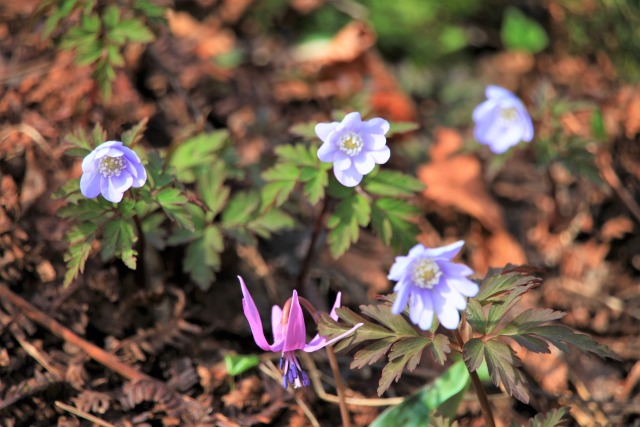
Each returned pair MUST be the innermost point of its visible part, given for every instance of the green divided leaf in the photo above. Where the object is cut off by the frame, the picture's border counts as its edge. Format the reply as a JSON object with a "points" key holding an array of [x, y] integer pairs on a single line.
{"points": [[132, 30], [522, 33], [392, 183], [403, 353], [443, 394], [296, 163], [199, 151], [118, 239], [281, 180], [240, 209], [392, 220], [132, 136], [210, 186], [344, 223], [392, 335], [173, 202], [202, 257], [553, 418], [80, 238]]}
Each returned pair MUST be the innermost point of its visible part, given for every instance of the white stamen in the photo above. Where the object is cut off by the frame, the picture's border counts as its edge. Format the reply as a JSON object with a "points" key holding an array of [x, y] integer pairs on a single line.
{"points": [[425, 273], [351, 143], [112, 166]]}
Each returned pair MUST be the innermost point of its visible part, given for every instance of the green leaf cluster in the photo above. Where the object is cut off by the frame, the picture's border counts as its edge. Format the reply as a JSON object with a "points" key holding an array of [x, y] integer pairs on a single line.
{"points": [[487, 314], [383, 202], [391, 335], [296, 164], [100, 33]]}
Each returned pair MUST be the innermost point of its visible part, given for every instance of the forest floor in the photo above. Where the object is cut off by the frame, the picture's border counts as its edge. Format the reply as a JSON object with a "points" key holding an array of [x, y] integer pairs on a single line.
{"points": [[577, 222]]}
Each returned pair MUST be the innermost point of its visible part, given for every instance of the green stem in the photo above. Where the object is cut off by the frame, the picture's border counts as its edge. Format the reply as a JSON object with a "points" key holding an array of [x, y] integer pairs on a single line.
{"points": [[479, 388]]}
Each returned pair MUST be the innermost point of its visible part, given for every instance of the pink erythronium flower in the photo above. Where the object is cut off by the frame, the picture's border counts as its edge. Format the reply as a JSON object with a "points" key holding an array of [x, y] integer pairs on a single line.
{"points": [[354, 146], [431, 283], [111, 169], [502, 121], [289, 334]]}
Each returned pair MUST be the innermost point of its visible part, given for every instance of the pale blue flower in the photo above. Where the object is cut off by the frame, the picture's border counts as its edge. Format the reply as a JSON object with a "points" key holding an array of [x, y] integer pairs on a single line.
{"points": [[502, 120], [431, 283], [354, 146], [111, 169]]}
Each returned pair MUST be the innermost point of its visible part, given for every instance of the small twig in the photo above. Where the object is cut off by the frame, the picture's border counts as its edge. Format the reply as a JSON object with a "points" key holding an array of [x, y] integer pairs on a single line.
{"points": [[335, 369], [316, 382], [92, 350], [141, 273], [82, 414], [478, 387]]}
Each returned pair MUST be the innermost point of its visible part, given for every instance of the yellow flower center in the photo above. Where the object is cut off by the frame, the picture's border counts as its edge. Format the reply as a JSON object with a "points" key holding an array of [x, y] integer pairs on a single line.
{"points": [[112, 166], [509, 114], [425, 273], [351, 143]]}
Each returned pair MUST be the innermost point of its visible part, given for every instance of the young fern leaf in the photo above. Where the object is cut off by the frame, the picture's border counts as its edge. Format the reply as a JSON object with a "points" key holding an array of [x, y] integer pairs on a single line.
{"points": [[391, 334]]}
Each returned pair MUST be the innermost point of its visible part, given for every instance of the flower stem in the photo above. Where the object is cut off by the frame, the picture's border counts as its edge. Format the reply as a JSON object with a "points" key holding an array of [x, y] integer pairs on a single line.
{"points": [[477, 386], [342, 399], [141, 273], [306, 263]]}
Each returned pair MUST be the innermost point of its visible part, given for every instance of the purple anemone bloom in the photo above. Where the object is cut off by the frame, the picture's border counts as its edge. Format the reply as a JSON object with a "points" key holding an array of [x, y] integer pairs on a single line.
{"points": [[289, 334], [502, 120], [111, 169], [354, 146], [431, 283]]}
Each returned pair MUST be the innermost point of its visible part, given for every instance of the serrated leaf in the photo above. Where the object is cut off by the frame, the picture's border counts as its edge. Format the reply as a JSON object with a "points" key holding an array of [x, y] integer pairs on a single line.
{"points": [[329, 328], [118, 239], [392, 183], [272, 221], [473, 353], [240, 209], [404, 353], [392, 220], [200, 150], [315, 182], [236, 364], [173, 202], [202, 257], [344, 223], [371, 353], [503, 364], [382, 313], [80, 238], [210, 187], [298, 155], [560, 336], [552, 418], [476, 317], [439, 348], [530, 319], [134, 31], [415, 411], [132, 136]]}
